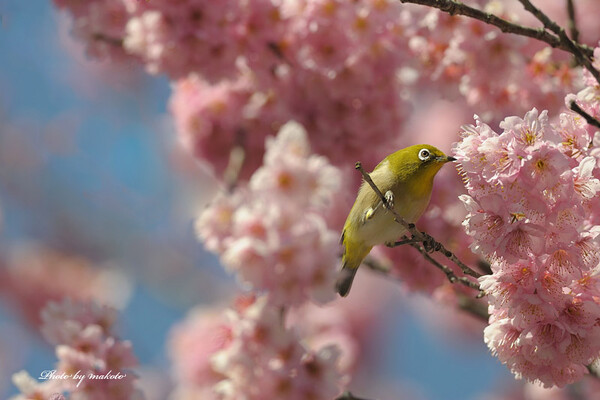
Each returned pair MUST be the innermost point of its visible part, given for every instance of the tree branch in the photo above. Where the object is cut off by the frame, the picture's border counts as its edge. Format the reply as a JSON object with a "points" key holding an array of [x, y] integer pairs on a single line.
{"points": [[117, 42], [485, 267], [456, 8], [572, 23], [583, 53], [428, 241], [448, 271], [474, 307], [570, 45], [465, 303], [589, 119], [348, 396], [376, 266]]}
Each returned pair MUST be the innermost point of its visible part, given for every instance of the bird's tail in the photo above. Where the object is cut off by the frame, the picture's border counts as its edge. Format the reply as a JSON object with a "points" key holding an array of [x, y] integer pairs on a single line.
{"points": [[351, 260]]}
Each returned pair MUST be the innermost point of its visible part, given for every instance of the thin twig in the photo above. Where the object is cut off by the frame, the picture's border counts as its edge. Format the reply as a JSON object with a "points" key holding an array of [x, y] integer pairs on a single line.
{"points": [[456, 8], [572, 23], [570, 45], [474, 307], [589, 119], [427, 240], [485, 267], [349, 396], [465, 303], [404, 241], [117, 42], [376, 266], [448, 271]]}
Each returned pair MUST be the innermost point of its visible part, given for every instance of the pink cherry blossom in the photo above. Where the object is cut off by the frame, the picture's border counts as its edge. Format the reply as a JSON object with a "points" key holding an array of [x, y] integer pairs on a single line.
{"points": [[263, 240], [248, 351], [100, 25], [347, 323], [265, 360], [538, 227], [35, 274], [178, 38], [194, 341], [350, 73], [343, 69], [31, 388], [451, 57], [214, 119], [86, 346]]}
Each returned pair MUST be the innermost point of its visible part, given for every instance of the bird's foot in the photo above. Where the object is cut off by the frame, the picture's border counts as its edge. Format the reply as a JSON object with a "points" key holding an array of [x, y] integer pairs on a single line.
{"points": [[389, 199], [430, 244]]}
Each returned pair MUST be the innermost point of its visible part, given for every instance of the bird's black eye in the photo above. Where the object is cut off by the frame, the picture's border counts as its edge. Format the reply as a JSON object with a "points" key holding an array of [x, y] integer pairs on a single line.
{"points": [[424, 154]]}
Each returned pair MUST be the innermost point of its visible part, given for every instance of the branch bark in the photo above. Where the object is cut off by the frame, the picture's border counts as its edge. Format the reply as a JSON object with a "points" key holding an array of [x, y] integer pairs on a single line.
{"points": [[572, 23], [349, 396], [589, 119], [465, 303], [456, 8], [557, 37], [570, 45], [117, 42]]}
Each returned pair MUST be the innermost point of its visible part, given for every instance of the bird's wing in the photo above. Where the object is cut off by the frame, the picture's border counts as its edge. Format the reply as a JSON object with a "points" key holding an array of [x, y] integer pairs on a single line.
{"points": [[368, 203]]}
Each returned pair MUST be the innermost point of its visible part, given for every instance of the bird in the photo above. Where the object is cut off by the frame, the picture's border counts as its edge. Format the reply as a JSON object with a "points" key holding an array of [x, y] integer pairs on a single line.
{"points": [[406, 179]]}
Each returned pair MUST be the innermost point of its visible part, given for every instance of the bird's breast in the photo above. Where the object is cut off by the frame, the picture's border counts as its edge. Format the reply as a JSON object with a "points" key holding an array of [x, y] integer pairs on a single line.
{"points": [[382, 228]]}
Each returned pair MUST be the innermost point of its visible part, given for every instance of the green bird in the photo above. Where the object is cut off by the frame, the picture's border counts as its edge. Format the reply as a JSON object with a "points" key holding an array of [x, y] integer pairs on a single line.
{"points": [[406, 179]]}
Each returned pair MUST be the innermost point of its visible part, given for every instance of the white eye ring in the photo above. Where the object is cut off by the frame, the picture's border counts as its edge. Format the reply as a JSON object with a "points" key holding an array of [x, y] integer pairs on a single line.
{"points": [[424, 154]]}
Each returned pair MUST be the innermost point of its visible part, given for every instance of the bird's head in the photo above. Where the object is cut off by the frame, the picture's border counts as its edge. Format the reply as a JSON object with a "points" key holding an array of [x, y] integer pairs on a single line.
{"points": [[419, 161]]}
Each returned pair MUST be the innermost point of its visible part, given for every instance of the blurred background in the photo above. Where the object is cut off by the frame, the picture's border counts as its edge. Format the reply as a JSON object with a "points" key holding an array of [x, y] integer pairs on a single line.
{"points": [[96, 196]]}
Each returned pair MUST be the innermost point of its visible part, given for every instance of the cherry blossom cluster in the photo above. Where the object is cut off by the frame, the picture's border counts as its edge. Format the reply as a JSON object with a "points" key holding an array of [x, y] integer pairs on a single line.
{"points": [[457, 54], [212, 120], [100, 24], [331, 65], [343, 69], [273, 232], [347, 323], [34, 274], [192, 344], [588, 389], [348, 72], [589, 97], [248, 352], [93, 364], [533, 212]]}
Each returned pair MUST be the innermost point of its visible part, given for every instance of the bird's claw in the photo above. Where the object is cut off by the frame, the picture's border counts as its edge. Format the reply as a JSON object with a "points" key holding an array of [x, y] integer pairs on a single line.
{"points": [[430, 244], [389, 199]]}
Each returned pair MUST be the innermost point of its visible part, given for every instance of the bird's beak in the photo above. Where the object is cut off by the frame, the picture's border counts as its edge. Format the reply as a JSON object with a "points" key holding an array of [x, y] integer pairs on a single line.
{"points": [[445, 159]]}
